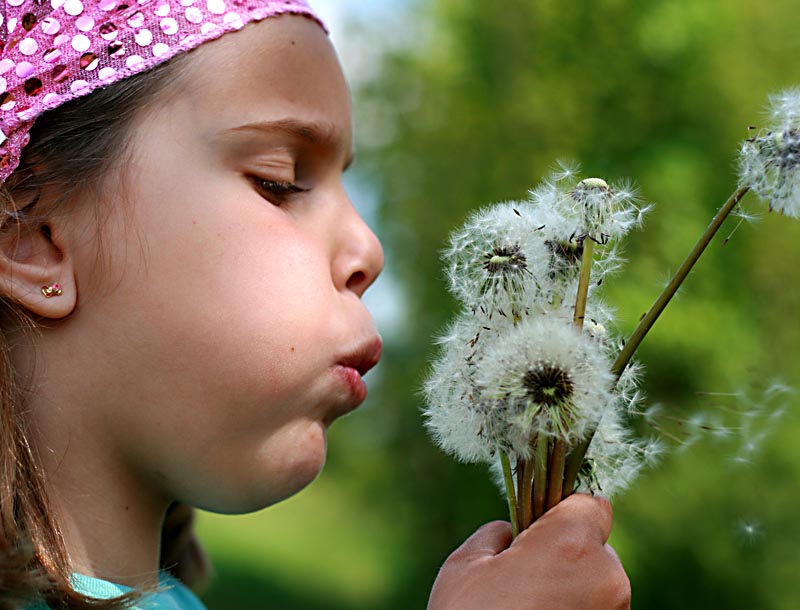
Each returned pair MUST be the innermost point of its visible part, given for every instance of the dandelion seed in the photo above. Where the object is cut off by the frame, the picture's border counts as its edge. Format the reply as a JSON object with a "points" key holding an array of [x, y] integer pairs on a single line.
{"points": [[565, 170], [748, 532]]}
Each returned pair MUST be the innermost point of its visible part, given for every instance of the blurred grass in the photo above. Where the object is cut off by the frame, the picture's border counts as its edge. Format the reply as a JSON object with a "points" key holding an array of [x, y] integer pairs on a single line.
{"points": [[320, 549]]}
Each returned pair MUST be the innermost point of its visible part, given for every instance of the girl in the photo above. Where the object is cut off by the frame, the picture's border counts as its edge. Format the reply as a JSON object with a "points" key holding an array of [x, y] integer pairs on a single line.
{"points": [[181, 273]]}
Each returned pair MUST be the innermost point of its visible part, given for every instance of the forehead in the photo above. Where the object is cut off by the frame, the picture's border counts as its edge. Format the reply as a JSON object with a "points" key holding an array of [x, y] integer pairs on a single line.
{"points": [[280, 68]]}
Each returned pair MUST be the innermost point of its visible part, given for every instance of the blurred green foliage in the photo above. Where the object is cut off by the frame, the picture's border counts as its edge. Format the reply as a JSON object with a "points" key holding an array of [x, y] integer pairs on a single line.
{"points": [[475, 111]]}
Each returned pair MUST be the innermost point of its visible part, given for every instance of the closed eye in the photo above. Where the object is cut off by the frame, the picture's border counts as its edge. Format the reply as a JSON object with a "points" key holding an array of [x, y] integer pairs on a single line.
{"points": [[276, 191]]}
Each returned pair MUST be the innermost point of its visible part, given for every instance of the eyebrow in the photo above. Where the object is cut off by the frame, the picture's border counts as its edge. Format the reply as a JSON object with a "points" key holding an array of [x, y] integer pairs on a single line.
{"points": [[320, 134]]}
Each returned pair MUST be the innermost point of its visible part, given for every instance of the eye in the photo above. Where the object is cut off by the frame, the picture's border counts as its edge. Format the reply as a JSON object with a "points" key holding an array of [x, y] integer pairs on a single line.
{"points": [[276, 191]]}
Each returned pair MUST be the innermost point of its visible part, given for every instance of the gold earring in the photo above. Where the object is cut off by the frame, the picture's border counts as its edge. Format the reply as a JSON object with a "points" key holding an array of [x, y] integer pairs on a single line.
{"points": [[53, 290]]}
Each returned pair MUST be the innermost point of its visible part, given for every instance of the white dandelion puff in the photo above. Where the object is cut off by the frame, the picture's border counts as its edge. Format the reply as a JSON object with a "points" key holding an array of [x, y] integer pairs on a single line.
{"points": [[452, 415], [615, 458], [769, 162], [543, 377], [497, 260]]}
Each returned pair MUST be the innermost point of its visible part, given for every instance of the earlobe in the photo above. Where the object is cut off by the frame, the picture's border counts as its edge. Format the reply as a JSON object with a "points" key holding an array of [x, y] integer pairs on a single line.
{"points": [[36, 271]]}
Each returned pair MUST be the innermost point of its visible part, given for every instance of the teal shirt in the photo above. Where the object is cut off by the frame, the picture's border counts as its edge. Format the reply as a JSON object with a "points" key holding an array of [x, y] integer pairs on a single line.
{"points": [[172, 596]]}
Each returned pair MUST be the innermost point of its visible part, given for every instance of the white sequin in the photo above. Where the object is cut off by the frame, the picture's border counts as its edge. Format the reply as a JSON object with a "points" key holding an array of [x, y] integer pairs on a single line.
{"points": [[106, 73], [79, 86], [216, 7], [134, 61], [136, 20], [3, 84], [160, 49], [84, 23], [24, 69], [52, 56], [162, 10], [194, 15], [28, 46], [169, 26], [81, 43], [15, 2], [6, 65], [233, 20], [73, 7], [144, 38], [107, 5], [50, 26]]}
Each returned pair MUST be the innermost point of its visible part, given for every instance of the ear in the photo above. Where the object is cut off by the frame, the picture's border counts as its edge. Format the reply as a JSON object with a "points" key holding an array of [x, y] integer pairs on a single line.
{"points": [[33, 257]]}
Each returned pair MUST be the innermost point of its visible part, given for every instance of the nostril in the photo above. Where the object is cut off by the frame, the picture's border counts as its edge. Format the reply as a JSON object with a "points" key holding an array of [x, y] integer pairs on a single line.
{"points": [[357, 282]]}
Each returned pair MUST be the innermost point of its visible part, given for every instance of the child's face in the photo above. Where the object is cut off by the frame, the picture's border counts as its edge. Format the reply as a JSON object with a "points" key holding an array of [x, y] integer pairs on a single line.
{"points": [[229, 310]]}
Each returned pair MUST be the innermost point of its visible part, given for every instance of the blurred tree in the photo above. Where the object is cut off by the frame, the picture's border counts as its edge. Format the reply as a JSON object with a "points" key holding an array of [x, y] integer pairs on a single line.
{"points": [[476, 110], [473, 105]]}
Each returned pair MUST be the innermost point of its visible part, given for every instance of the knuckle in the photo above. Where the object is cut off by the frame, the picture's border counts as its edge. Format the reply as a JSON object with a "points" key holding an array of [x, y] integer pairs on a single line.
{"points": [[620, 590], [574, 547]]}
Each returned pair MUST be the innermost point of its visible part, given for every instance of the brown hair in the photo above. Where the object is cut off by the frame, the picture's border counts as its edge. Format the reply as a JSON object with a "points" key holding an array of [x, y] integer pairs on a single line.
{"points": [[72, 149]]}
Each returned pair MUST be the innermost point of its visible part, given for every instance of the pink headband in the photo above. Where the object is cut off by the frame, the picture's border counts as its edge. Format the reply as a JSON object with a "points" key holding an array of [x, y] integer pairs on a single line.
{"points": [[53, 51]]}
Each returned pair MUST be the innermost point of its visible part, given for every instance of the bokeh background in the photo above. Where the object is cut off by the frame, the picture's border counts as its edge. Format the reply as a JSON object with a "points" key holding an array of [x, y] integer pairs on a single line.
{"points": [[460, 103]]}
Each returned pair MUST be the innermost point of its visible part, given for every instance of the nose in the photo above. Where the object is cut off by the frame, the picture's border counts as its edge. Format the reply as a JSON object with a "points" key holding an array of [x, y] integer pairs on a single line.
{"points": [[359, 259]]}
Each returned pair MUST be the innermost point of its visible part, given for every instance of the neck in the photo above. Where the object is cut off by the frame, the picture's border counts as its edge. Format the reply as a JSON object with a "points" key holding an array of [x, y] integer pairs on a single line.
{"points": [[110, 516], [110, 529]]}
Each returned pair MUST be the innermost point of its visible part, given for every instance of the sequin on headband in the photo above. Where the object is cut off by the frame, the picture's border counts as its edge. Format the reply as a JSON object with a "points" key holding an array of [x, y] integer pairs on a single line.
{"points": [[54, 51]]}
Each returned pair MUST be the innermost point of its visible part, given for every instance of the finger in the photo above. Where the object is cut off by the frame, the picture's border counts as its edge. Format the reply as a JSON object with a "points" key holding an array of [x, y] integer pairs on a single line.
{"points": [[487, 541], [584, 511]]}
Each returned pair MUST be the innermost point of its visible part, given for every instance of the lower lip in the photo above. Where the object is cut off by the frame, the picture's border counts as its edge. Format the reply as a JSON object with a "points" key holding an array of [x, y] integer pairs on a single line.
{"points": [[355, 384]]}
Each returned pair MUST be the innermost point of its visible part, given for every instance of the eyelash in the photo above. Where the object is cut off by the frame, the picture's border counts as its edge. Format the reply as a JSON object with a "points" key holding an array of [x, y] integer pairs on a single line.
{"points": [[276, 191]]}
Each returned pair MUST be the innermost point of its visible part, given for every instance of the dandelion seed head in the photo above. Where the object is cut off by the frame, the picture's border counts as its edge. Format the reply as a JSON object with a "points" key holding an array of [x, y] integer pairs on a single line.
{"points": [[544, 377], [616, 457], [589, 208], [452, 415], [497, 260], [769, 162]]}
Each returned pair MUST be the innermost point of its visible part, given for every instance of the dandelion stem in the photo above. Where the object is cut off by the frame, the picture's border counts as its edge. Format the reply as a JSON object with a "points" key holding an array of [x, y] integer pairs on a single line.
{"points": [[680, 275], [555, 485], [510, 495], [526, 495], [645, 324], [583, 283], [555, 477], [540, 477]]}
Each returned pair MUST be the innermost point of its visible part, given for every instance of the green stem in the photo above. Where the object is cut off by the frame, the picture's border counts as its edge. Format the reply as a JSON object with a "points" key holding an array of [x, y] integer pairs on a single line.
{"points": [[583, 283], [645, 324], [510, 495], [680, 275], [540, 476]]}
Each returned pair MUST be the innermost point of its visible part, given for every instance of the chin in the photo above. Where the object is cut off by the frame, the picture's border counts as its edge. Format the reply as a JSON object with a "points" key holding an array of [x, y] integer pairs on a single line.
{"points": [[285, 471]]}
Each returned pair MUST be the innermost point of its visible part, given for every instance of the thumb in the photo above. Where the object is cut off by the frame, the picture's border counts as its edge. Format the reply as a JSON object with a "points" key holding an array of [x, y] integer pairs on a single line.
{"points": [[488, 541]]}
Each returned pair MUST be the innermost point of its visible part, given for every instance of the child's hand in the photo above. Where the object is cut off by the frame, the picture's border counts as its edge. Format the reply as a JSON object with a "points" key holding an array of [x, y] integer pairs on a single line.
{"points": [[562, 562]]}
